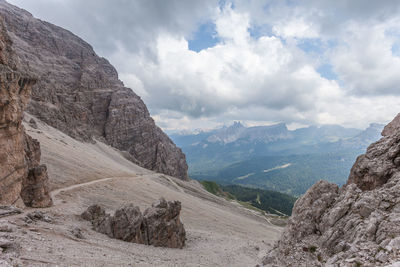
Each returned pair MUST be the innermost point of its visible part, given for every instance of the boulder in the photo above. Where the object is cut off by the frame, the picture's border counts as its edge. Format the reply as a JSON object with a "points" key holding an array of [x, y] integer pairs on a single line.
{"points": [[35, 190], [159, 225], [164, 227], [93, 212]]}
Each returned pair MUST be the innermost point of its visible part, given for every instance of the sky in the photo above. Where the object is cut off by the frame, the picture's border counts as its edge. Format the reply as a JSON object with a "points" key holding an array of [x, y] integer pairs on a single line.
{"points": [[202, 64]]}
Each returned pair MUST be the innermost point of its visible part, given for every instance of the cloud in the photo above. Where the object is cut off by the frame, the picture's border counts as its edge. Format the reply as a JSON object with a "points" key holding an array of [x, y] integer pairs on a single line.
{"points": [[237, 73], [365, 61], [132, 24], [267, 63]]}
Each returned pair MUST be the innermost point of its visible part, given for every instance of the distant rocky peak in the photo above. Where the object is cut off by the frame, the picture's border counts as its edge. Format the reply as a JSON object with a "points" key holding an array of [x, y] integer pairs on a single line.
{"points": [[282, 126], [376, 126], [256, 133], [227, 134], [237, 124]]}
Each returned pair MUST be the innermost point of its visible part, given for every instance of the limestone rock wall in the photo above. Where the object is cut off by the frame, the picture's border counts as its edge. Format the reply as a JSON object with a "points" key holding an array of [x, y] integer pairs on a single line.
{"points": [[14, 95], [16, 159], [80, 94]]}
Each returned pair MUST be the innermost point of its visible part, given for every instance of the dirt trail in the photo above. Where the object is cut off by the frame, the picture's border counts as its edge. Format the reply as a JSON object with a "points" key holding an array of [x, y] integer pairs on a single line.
{"points": [[174, 184], [54, 193]]}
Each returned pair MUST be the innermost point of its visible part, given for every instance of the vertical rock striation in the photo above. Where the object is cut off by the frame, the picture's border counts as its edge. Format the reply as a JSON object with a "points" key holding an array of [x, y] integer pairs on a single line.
{"points": [[356, 225], [18, 160], [80, 94], [14, 95]]}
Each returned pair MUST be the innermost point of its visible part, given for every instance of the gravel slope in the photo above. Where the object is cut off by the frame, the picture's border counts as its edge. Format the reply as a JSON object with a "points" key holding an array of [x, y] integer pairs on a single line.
{"points": [[219, 233]]}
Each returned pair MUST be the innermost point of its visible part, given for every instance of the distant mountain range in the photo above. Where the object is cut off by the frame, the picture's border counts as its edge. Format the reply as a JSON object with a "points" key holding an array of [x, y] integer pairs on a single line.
{"points": [[274, 157]]}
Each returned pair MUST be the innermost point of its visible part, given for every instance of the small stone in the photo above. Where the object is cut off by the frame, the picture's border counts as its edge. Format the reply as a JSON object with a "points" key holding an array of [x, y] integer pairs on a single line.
{"points": [[382, 256], [5, 244], [6, 228], [77, 232], [37, 216], [33, 124]]}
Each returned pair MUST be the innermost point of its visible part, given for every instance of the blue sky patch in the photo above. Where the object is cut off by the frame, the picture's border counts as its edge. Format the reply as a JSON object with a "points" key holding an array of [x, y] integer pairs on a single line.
{"points": [[326, 71], [204, 37], [311, 45], [316, 46], [396, 49], [257, 31]]}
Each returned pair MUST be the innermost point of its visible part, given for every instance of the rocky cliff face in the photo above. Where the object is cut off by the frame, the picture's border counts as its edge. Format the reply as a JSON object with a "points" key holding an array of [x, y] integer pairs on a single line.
{"points": [[18, 159], [80, 94], [356, 225]]}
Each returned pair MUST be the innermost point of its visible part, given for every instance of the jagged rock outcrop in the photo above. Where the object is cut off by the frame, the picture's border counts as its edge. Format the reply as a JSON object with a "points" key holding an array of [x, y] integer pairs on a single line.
{"points": [[159, 225], [356, 225], [18, 160], [164, 228], [35, 190], [80, 94], [392, 127]]}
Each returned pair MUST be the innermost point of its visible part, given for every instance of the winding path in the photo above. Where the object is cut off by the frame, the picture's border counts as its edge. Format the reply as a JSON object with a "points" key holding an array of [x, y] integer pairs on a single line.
{"points": [[55, 192]]}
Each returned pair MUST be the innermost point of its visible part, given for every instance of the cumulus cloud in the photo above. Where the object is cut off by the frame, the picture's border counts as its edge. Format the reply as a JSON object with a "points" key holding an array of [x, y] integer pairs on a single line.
{"points": [[365, 61], [237, 73], [265, 66]]}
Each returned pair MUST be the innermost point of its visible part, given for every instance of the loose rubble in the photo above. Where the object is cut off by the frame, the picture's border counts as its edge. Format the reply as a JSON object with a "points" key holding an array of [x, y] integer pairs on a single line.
{"points": [[37, 216]]}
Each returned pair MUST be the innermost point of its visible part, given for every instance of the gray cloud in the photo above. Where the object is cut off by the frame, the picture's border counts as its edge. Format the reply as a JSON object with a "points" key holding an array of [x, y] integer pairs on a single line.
{"points": [[134, 25], [265, 79]]}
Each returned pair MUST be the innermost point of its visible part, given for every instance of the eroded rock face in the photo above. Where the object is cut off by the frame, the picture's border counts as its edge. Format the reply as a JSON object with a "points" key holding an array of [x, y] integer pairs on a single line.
{"points": [[14, 95], [18, 160], [159, 225], [80, 94], [13, 169], [356, 224]]}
